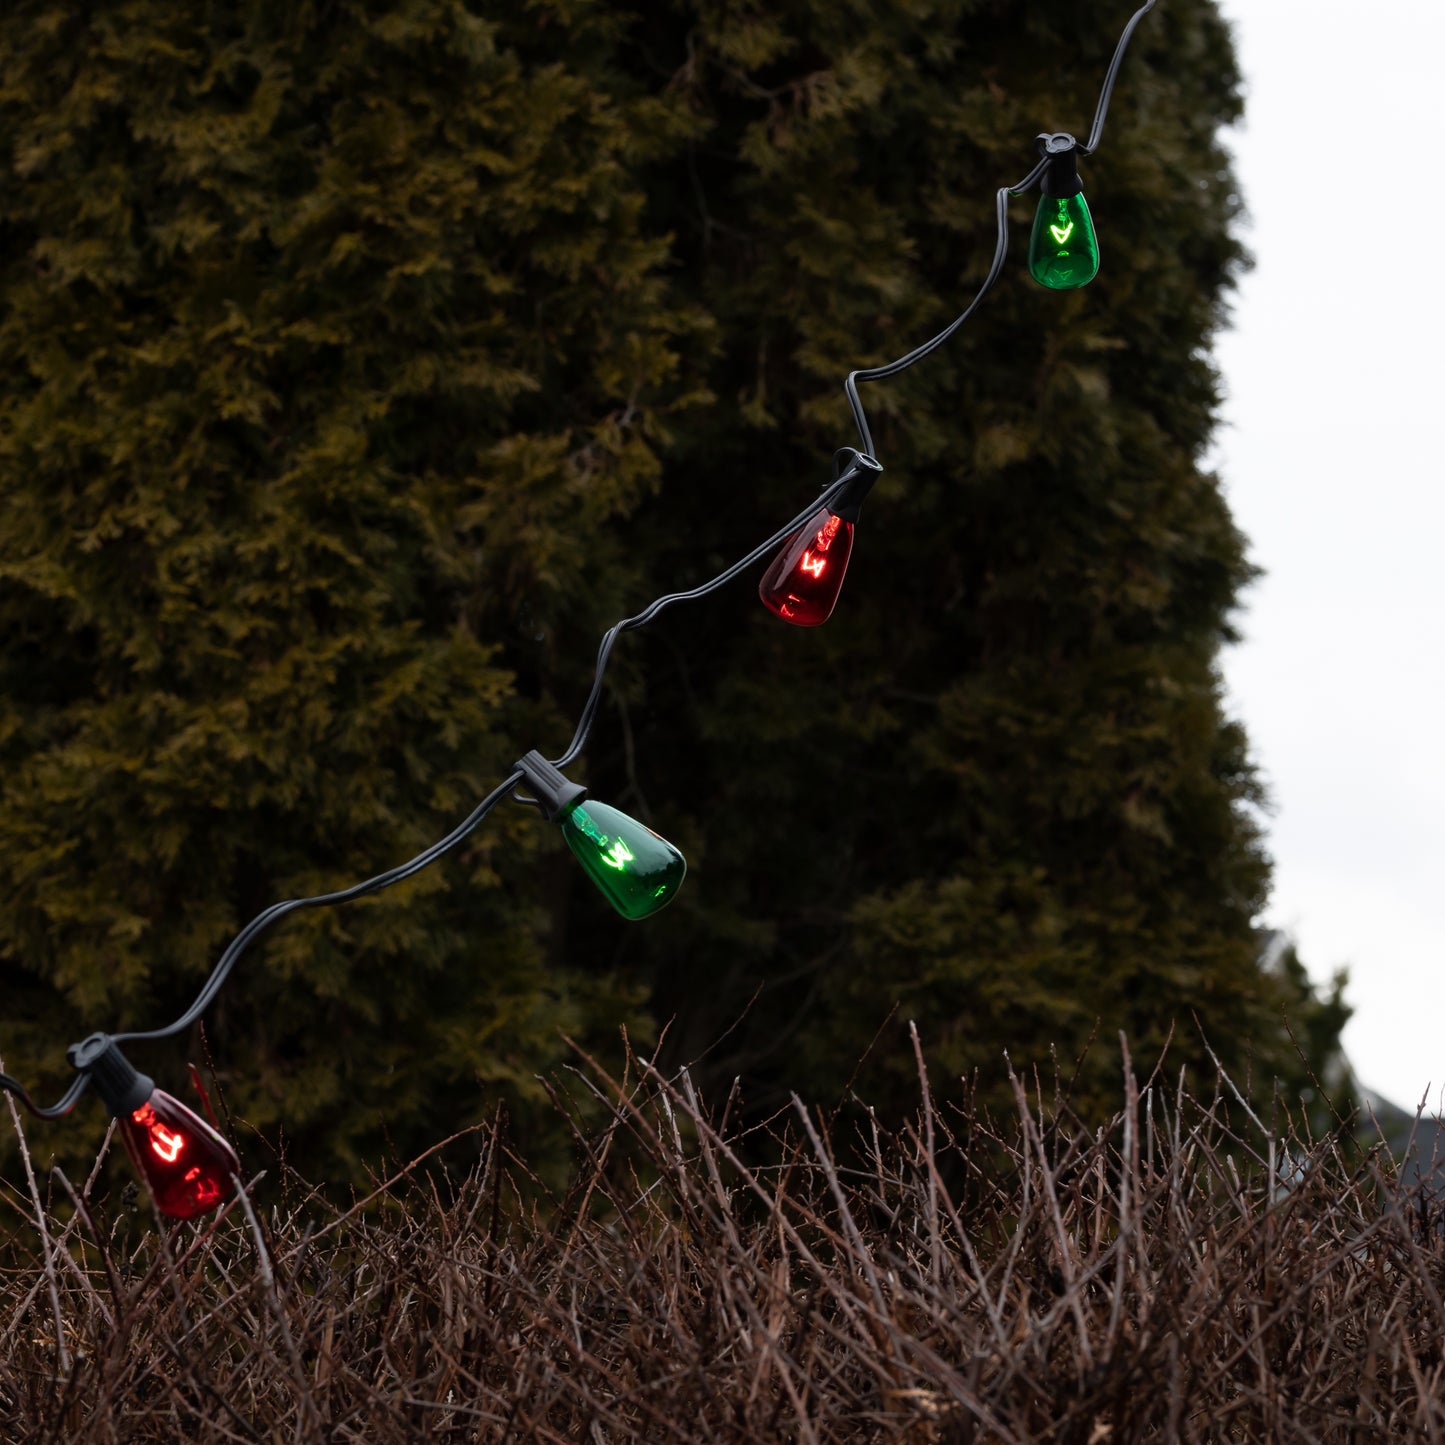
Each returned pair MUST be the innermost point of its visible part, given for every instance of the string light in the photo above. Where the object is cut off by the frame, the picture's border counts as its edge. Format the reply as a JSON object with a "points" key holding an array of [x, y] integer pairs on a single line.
{"points": [[635, 869], [1000, 251], [187, 1166], [803, 583], [1063, 249]]}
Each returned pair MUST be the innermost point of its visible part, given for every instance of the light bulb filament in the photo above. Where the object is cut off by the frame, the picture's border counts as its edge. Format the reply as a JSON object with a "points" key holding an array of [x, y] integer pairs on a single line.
{"points": [[1062, 234], [618, 855], [167, 1145], [813, 564]]}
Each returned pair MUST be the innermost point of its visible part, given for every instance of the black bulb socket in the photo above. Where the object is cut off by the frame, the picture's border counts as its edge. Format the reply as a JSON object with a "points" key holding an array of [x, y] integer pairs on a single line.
{"points": [[122, 1087], [859, 472], [1060, 179], [554, 791]]}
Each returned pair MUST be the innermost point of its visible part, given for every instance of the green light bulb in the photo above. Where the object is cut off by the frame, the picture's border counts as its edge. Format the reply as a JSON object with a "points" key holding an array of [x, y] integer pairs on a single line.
{"points": [[637, 871], [1063, 250]]}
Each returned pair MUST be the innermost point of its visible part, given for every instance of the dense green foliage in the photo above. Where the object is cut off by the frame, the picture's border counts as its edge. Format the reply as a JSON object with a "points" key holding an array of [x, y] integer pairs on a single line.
{"points": [[359, 362], [997, 790], [326, 336]]}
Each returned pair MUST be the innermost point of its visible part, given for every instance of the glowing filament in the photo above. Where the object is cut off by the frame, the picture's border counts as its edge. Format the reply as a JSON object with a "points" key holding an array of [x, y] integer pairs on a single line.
{"points": [[1063, 249], [617, 855], [813, 564], [166, 1144]]}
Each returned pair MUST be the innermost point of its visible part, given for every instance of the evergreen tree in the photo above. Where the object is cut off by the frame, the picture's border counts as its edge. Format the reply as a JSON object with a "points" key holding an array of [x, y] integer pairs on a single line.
{"points": [[360, 362], [328, 331], [998, 792]]}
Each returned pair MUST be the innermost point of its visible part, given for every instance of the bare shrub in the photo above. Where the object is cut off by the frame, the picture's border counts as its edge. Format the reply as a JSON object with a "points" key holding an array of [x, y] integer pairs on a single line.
{"points": [[1176, 1276]]}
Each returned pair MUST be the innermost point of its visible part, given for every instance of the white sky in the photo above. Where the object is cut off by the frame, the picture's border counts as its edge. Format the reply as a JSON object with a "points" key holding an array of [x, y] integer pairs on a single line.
{"points": [[1330, 461]]}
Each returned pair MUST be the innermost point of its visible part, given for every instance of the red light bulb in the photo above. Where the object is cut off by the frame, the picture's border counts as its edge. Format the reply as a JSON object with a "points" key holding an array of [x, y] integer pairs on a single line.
{"points": [[187, 1166], [185, 1163], [803, 581]]}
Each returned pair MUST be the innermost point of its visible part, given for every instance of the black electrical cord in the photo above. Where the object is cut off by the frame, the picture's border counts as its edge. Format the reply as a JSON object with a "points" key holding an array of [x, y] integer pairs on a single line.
{"points": [[67, 1102], [1106, 94], [1000, 254], [276, 911], [629, 624], [258, 925], [264, 920], [880, 373]]}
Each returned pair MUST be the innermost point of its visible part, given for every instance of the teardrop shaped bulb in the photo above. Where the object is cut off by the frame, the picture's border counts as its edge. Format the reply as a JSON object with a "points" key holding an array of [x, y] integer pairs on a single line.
{"points": [[803, 581], [1063, 249], [637, 871], [187, 1166]]}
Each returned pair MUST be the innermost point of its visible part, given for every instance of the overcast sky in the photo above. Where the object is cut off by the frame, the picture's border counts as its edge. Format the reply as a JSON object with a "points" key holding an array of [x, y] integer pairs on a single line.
{"points": [[1331, 461]]}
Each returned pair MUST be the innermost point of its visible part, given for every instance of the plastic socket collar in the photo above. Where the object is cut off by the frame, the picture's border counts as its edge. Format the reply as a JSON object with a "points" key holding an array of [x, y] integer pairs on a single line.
{"points": [[1061, 178], [861, 472], [122, 1088], [556, 793]]}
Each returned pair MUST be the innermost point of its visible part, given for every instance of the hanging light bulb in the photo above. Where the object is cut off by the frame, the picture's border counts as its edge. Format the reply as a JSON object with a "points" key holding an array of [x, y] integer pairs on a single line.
{"points": [[187, 1166], [635, 869], [803, 581], [1063, 249]]}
